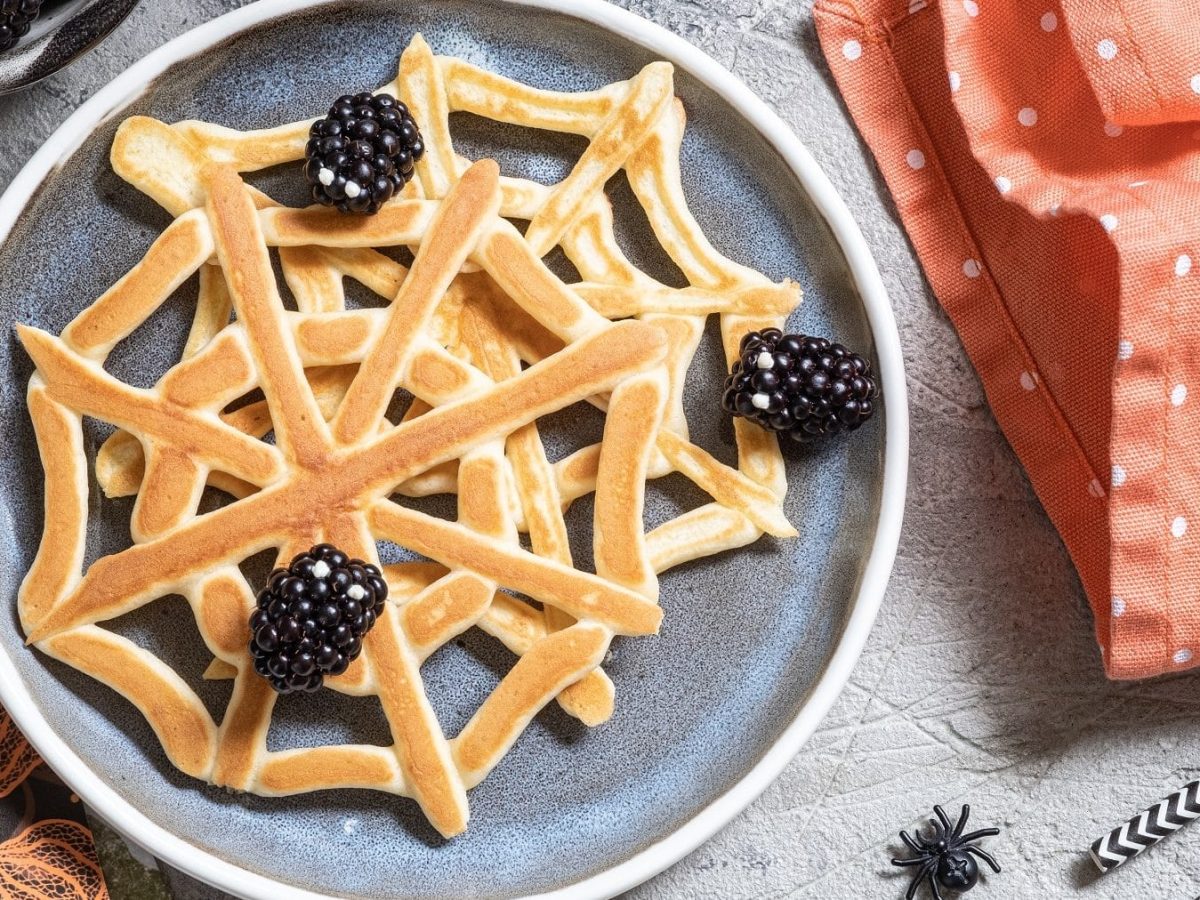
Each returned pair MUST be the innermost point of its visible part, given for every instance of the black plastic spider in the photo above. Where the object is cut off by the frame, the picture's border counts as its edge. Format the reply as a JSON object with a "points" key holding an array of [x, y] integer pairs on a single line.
{"points": [[946, 859]]}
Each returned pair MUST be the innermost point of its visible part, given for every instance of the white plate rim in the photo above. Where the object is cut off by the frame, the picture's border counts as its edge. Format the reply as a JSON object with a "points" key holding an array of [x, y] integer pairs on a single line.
{"points": [[127, 87]]}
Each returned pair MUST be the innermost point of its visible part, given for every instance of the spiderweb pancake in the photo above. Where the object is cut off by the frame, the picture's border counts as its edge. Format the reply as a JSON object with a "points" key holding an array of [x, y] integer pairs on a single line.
{"points": [[486, 339]]}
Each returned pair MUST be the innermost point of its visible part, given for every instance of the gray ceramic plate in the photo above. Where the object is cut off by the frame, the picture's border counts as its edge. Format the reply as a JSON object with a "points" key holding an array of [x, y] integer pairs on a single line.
{"points": [[755, 644]]}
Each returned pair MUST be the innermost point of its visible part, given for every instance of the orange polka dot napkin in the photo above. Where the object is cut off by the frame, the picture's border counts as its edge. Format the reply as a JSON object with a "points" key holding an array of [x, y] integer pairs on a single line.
{"points": [[1045, 159]]}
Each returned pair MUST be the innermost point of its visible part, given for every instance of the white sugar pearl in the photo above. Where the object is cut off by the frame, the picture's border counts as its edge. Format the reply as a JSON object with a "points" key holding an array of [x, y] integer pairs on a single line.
{"points": [[1118, 476], [1178, 394], [1003, 184], [971, 8], [765, 360], [1112, 129], [760, 401], [1109, 222], [1029, 381], [1118, 607], [1124, 350], [325, 176], [352, 189], [1196, 83], [915, 159], [1183, 264], [1107, 48], [1027, 116], [1179, 526], [1049, 21], [955, 81], [320, 569], [356, 592], [852, 50], [971, 268], [1182, 656]]}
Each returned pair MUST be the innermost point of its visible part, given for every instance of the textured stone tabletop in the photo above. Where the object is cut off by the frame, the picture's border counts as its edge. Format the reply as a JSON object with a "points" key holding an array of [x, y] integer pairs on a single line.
{"points": [[981, 681]]}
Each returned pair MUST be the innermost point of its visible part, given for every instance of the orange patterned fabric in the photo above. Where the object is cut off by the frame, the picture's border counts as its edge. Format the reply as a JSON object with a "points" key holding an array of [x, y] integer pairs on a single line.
{"points": [[17, 758], [52, 860], [1045, 159]]}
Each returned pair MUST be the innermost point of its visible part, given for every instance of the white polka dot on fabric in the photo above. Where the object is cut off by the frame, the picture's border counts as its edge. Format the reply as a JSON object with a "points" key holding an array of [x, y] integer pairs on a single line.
{"points": [[1027, 116], [852, 50], [1055, 208], [1049, 21], [1179, 526], [1182, 656], [1107, 48], [1178, 394], [1183, 264], [1118, 475], [1112, 129], [1003, 184], [1029, 381], [971, 268], [1118, 607], [1196, 83], [1095, 488], [955, 81], [971, 8], [1138, 184], [1124, 349], [915, 159], [1109, 222]]}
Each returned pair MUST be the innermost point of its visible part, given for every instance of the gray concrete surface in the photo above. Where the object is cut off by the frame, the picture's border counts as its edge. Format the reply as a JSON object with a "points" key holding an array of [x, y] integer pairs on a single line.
{"points": [[981, 682]]}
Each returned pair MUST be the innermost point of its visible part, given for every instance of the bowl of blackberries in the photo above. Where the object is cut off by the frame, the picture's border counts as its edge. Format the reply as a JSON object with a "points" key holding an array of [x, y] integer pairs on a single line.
{"points": [[39, 37]]}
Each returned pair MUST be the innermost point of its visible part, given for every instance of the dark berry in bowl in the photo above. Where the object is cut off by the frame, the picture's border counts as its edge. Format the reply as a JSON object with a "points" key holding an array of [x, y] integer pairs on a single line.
{"points": [[311, 618], [362, 154], [801, 386], [15, 18]]}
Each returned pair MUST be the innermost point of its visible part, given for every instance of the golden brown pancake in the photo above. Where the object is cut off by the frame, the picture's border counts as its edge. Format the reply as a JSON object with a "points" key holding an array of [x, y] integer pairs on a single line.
{"points": [[485, 337]]}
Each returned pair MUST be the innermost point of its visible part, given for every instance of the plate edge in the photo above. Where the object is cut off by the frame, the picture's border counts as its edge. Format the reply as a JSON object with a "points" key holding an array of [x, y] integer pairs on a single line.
{"points": [[131, 84]]}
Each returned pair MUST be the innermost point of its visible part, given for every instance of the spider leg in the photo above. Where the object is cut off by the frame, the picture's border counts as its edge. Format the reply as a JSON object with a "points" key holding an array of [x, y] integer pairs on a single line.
{"points": [[926, 872], [933, 885], [944, 819], [985, 856], [976, 835], [914, 861], [912, 845], [962, 819]]}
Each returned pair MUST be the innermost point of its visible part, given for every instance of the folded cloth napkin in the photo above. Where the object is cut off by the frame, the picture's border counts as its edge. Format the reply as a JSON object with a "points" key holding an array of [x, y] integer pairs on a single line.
{"points": [[1045, 159]]}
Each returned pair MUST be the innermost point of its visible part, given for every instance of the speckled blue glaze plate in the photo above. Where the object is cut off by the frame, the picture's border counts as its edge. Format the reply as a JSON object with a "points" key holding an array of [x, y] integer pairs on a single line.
{"points": [[756, 644]]}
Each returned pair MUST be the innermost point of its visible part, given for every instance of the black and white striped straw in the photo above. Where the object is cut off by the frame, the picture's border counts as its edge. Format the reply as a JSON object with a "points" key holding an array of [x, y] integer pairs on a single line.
{"points": [[1147, 828]]}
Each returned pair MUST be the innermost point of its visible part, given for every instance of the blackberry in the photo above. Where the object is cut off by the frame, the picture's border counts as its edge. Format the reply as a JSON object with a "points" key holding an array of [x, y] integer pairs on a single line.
{"points": [[15, 18], [312, 617], [362, 153], [805, 387]]}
